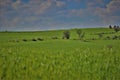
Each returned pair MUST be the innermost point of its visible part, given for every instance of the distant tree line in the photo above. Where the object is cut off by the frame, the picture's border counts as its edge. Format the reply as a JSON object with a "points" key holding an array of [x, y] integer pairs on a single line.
{"points": [[116, 28]]}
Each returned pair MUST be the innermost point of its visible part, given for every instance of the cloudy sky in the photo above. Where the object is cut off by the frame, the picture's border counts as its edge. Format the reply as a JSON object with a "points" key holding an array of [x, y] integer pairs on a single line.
{"points": [[58, 14]]}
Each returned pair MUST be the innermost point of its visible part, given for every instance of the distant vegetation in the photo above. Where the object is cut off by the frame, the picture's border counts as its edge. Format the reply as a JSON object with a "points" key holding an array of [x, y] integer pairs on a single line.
{"points": [[66, 35], [80, 33], [116, 28]]}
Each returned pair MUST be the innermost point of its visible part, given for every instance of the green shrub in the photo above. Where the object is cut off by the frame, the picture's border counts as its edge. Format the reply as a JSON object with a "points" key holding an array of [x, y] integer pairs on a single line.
{"points": [[24, 40], [114, 37], [40, 39], [34, 39], [66, 35], [80, 34], [108, 37]]}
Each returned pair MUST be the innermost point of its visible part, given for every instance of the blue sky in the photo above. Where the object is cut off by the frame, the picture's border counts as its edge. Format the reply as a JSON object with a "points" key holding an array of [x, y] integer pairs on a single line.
{"points": [[27, 15]]}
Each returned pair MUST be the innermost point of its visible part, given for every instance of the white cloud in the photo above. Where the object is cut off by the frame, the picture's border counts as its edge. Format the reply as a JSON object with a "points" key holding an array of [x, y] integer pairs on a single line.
{"points": [[110, 14], [5, 2], [52, 12], [44, 6], [60, 3], [17, 4]]}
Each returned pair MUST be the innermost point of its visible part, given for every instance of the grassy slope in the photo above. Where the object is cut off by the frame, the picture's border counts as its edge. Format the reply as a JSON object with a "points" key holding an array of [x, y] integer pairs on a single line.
{"points": [[59, 59]]}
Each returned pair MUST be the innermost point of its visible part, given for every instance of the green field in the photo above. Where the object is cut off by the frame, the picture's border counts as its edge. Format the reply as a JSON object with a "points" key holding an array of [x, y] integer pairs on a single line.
{"points": [[91, 58]]}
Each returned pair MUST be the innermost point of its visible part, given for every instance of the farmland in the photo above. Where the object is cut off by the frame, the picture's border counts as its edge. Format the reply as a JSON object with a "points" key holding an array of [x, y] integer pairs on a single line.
{"points": [[24, 57]]}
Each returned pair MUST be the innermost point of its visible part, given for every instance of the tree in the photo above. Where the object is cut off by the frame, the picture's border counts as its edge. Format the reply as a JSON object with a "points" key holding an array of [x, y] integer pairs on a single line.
{"points": [[80, 33], [110, 26], [116, 28], [66, 35]]}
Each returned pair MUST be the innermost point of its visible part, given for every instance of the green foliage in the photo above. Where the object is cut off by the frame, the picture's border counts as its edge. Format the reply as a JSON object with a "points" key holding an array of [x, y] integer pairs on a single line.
{"points": [[66, 35], [116, 28], [34, 39], [80, 33], [25, 40], [40, 39], [59, 59], [110, 26]]}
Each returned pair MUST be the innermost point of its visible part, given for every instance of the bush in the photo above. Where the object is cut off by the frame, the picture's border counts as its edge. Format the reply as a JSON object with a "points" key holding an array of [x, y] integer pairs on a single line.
{"points": [[66, 35], [40, 39], [24, 40], [110, 26], [80, 33], [114, 37], [93, 38], [108, 38], [34, 39], [116, 28]]}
